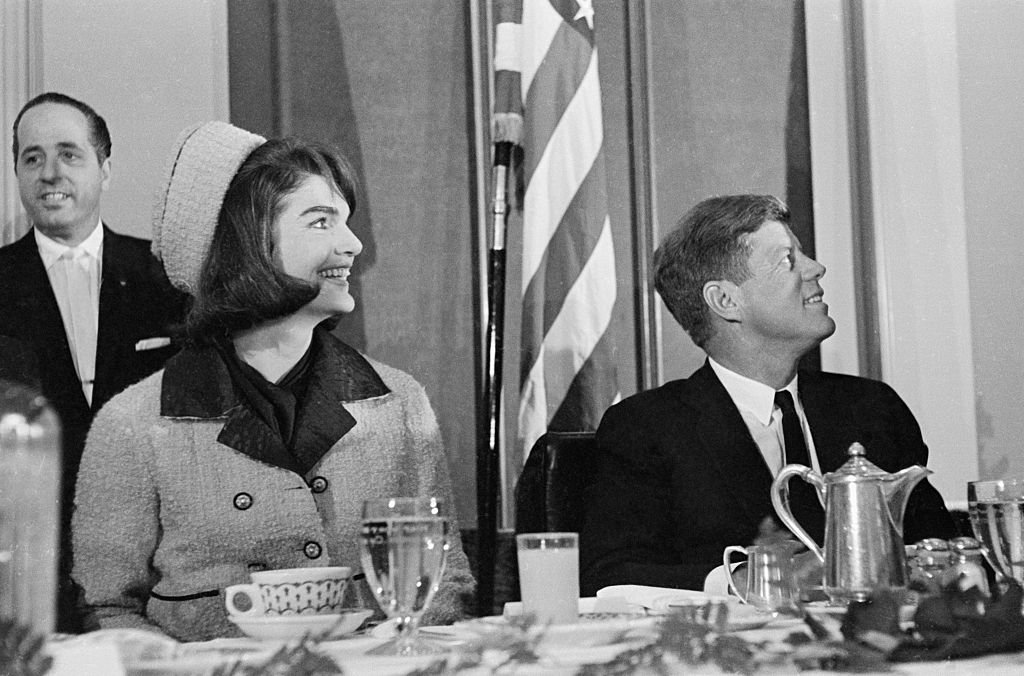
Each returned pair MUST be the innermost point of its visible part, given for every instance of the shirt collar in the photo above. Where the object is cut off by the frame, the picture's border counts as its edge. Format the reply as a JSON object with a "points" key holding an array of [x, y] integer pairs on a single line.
{"points": [[751, 395], [50, 250]]}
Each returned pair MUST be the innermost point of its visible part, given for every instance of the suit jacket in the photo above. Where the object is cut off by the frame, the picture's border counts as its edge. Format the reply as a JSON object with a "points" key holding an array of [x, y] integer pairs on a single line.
{"points": [[679, 476], [136, 302], [18, 363]]}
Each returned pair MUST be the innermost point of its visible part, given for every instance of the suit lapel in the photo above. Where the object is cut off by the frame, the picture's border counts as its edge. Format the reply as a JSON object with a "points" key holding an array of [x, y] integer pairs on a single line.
{"points": [[826, 416], [115, 289], [197, 384], [730, 449], [114, 334], [339, 375], [37, 303]]}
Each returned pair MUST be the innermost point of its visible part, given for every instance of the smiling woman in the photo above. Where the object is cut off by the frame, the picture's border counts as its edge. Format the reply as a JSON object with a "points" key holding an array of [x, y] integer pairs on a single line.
{"points": [[283, 222], [255, 448], [317, 245]]}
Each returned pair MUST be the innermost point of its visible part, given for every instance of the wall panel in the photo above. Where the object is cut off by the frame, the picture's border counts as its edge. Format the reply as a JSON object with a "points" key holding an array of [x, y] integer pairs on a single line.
{"points": [[150, 68], [722, 79], [990, 52]]}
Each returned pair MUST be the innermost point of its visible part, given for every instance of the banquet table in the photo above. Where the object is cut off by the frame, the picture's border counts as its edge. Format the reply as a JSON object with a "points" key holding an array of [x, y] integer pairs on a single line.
{"points": [[104, 653]]}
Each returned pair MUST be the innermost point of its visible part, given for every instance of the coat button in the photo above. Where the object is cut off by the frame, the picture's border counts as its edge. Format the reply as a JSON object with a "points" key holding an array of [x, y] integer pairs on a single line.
{"points": [[312, 550], [318, 484], [243, 501]]}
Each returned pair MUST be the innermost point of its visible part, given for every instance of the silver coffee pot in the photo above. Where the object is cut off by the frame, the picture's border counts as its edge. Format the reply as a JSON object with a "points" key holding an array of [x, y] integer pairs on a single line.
{"points": [[864, 508]]}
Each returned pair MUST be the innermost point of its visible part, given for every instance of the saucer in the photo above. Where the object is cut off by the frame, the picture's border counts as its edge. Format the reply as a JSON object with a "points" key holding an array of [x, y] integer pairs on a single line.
{"points": [[291, 627], [906, 616], [740, 618], [587, 633]]}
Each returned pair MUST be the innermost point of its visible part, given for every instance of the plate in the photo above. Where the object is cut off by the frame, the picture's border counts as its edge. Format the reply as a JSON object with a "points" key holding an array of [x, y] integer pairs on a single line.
{"points": [[589, 606], [741, 616], [825, 608], [819, 608], [291, 627], [590, 632]]}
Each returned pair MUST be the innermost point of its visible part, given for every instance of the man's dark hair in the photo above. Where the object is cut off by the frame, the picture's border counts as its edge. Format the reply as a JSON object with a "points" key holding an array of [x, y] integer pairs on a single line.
{"points": [[99, 136], [709, 243], [240, 284]]}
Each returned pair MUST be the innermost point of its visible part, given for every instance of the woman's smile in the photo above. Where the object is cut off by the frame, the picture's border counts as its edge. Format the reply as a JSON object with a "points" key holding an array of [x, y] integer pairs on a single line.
{"points": [[316, 244]]}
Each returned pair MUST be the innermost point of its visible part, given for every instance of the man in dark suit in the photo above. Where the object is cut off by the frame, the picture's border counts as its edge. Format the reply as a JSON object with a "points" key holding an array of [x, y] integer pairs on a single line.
{"points": [[95, 306], [685, 470], [18, 363]]}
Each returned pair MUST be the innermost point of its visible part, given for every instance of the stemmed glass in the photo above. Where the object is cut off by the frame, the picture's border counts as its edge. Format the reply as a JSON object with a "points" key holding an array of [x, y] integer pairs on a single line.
{"points": [[404, 546], [997, 517]]}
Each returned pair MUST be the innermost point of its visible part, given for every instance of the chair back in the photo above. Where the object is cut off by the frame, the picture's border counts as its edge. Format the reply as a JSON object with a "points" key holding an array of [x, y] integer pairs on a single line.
{"points": [[551, 489]]}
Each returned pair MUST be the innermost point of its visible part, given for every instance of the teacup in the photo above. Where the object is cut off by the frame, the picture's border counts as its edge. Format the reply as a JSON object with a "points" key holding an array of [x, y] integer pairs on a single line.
{"points": [[290, 591]]}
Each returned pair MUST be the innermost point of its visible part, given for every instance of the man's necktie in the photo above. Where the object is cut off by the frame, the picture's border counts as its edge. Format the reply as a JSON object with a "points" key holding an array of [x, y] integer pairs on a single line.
{"points": [[803, 498], [792, 433], [83, 317]]}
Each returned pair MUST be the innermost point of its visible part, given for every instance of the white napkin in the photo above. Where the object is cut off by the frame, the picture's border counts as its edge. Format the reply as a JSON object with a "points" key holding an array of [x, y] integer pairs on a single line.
{"points": [[612, 604], [657, 599], [106, 652]]}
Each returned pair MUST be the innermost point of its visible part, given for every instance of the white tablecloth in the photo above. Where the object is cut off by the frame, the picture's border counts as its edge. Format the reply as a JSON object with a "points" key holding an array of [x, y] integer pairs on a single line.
{"points": [[120, 653]]}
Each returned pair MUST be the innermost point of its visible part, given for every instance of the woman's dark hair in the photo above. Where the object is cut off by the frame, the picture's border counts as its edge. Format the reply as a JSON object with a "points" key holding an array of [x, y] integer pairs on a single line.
{"points": [[240, 284]]}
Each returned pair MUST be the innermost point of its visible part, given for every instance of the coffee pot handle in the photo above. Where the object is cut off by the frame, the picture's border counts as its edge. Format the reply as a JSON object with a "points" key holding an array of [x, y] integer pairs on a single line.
{"points": [[781, 486]]}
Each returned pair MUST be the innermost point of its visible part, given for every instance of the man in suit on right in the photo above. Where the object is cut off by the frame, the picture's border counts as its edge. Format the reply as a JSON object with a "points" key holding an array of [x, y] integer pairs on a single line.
{"points": [[684, 470]]}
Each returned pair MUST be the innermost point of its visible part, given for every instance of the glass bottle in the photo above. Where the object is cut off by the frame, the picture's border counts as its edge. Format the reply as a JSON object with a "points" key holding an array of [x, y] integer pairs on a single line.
{"points": [[927, 565], [30, 476], [967, 568]]}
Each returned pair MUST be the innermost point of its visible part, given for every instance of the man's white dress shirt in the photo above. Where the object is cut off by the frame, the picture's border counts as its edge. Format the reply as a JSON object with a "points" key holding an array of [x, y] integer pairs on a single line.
{"points": [[756, 403], [75, 274]]}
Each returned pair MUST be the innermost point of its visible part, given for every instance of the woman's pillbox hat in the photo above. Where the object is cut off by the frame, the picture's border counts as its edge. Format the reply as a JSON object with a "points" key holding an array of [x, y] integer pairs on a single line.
{"points": [[204, 160]]}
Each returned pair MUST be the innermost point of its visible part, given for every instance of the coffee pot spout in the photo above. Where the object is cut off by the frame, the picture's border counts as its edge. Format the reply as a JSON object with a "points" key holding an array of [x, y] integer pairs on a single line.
{"points": [[898, 489]]}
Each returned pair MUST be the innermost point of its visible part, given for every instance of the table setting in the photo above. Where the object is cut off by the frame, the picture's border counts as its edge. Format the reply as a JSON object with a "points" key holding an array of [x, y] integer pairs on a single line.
{"points": [[924, 614]]}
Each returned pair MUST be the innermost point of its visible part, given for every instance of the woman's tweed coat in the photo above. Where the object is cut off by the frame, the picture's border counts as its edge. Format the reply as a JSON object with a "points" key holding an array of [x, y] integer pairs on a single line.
{"points": [[182, 491]]}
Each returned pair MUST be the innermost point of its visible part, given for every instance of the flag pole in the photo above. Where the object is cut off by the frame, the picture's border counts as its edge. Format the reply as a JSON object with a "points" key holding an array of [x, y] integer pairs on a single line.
{"points": [[506, 134], [488, 456]]}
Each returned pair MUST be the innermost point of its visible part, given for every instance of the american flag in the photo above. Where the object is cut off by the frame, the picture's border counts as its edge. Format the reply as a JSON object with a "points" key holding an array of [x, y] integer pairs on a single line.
{"points": [[546, 69]]}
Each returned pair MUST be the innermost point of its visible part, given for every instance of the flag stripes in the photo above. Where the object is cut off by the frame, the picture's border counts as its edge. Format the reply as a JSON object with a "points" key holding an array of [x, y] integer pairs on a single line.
{"points": [[568, 250], [569, 150], [548, 88], [540, 25], [567, 367], [593, 390], [568, 345]]}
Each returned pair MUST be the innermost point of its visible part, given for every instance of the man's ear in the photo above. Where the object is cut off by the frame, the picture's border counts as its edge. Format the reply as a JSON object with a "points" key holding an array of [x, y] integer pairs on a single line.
{"points": [[721, 296], [105, 174]]}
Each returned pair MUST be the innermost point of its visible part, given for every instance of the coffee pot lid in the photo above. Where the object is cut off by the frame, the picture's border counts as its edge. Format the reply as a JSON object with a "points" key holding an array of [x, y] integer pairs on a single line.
{"points": [[858, 468]]}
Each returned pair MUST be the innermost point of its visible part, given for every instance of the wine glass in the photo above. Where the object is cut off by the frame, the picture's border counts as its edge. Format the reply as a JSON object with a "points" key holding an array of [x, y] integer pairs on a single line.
{"points": [[997, 516], [404, 546]]}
